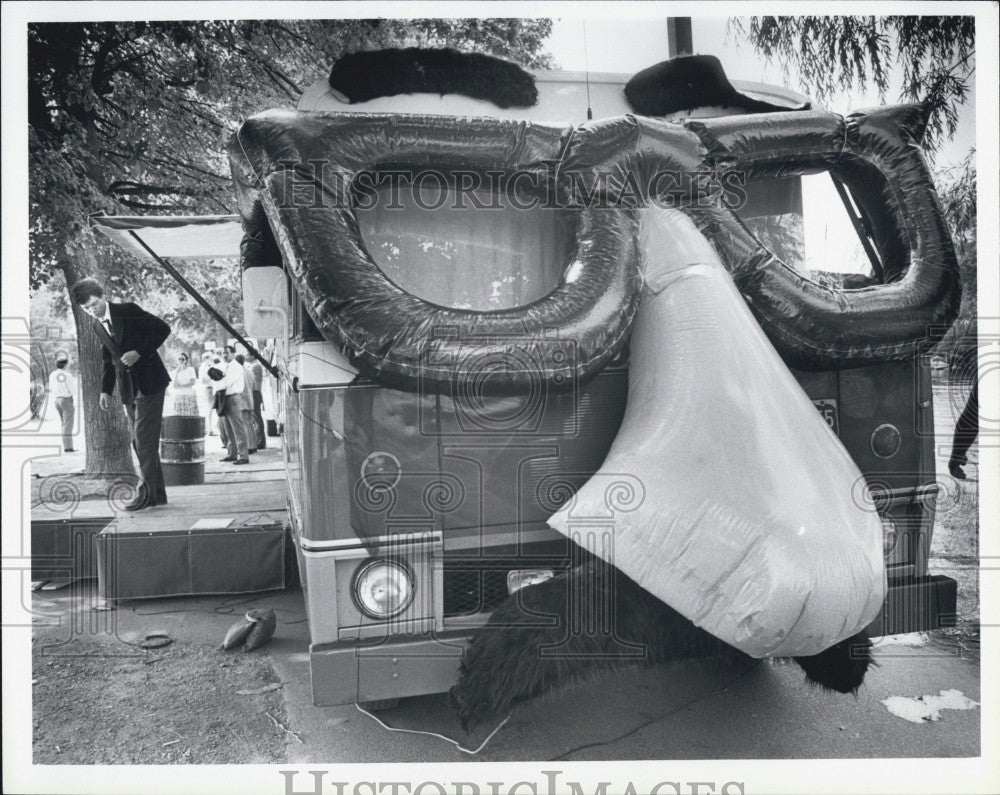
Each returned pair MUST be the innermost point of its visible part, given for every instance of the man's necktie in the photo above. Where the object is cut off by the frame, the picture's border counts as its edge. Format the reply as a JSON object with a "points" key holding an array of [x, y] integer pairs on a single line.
{"points": [[107, 325]]}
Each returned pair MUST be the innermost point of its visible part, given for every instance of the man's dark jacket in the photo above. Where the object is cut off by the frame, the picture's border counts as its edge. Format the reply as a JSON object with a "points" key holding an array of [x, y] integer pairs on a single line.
{"points": [[134, 330]]}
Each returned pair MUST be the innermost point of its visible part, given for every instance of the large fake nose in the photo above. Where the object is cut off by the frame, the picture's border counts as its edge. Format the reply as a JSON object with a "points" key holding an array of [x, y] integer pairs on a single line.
{"points": [[741, 515]]}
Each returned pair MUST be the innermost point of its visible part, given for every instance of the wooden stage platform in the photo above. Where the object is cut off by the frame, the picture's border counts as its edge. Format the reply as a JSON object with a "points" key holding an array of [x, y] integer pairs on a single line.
{"points": [[225, 536], [187, 504]]}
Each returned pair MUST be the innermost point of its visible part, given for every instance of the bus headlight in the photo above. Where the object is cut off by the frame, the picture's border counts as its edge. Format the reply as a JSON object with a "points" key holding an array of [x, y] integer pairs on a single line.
{"points": [[382, 588], [886, 440]]}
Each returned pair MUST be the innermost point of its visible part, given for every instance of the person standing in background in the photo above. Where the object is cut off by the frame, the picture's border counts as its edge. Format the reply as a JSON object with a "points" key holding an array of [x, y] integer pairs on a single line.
{"points": [[967, 426], [184, 378], [272, 399], [217, 361], [256, 373], [62, 386], [249, 419], [233, 382], [966, 431], [205, 393]]}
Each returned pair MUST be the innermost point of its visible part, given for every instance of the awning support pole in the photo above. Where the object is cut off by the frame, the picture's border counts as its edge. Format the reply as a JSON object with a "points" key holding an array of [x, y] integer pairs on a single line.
{"points": [[205, 305]]}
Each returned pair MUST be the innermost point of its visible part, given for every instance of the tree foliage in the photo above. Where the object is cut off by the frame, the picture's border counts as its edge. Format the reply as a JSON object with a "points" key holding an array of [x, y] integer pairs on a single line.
{"points": [[781, 234], [934, 55], [958, 199]]}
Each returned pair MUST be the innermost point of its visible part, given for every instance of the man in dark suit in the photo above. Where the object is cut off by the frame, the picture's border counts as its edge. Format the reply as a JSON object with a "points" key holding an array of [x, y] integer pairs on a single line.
{"points": [[131, 337]]}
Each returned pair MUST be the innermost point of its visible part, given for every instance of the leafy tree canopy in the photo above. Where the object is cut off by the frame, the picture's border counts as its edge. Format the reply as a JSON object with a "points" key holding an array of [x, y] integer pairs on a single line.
{"points": [[935, 56]]}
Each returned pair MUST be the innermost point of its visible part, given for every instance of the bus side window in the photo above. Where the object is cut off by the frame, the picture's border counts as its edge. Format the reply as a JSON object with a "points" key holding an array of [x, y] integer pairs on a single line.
{"points": [[812, 232]]}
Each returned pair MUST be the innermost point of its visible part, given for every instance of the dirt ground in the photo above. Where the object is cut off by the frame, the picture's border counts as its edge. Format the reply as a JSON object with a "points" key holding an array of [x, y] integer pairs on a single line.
{"points": [[102, 702]]}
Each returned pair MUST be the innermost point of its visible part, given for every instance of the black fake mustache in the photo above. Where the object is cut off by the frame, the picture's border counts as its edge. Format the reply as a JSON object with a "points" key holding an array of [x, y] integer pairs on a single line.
{"points": [[502, 666]]}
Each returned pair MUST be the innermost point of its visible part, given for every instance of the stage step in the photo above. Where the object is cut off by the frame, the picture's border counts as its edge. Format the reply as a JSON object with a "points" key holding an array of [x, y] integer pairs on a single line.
{"points": [[247, 555], [64, 548]]}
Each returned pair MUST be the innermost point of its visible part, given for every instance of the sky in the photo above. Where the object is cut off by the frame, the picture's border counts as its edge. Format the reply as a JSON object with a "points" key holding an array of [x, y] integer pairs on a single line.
{"points": [[630, 44]]}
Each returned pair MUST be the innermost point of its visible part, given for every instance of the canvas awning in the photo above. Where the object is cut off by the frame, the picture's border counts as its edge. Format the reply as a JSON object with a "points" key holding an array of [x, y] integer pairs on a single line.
{"points": [[188, 236], [161, 238]]}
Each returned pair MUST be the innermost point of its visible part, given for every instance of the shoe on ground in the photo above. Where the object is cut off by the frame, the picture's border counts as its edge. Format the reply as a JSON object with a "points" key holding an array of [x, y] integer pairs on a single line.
{"points": [[228, 458], [241, 461], [139, 503], [956, 471], [252, 451], [69, 450]]}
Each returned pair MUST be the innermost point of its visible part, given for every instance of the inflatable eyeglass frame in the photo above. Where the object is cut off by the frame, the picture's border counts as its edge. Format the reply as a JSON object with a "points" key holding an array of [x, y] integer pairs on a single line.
{"points": [[405, 342]]}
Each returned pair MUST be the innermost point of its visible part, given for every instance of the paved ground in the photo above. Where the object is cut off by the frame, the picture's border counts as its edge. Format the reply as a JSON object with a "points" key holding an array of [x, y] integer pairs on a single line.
{"points": [[702, 710]]}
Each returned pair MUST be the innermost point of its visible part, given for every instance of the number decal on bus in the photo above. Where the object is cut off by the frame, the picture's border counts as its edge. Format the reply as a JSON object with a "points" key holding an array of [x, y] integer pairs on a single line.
{"points": [[828, 409]]}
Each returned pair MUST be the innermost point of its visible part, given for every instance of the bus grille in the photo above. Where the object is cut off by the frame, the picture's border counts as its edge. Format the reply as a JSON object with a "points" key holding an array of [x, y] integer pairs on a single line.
{"points": [[470, 591]]}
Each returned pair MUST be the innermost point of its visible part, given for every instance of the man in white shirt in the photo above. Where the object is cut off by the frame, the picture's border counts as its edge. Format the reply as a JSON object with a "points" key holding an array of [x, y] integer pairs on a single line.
{"points": [[62, 386], [234, 382]]}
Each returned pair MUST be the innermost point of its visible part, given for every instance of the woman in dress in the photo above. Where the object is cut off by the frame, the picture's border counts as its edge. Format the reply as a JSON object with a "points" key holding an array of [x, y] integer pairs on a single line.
{"points": [[184, 378]]}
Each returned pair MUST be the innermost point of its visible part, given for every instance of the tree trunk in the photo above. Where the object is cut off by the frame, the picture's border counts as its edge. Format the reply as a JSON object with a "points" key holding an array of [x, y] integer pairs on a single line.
{"points": [[109, 441]]}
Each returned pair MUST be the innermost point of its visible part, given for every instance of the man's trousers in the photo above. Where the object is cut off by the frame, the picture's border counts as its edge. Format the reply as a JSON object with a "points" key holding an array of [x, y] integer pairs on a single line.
{"points": [[145, 415], [237, 437], [67, 413]]}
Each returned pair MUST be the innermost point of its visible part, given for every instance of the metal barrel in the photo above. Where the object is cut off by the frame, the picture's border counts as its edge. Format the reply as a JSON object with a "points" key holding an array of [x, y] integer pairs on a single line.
{"points": [[182, 450]]}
